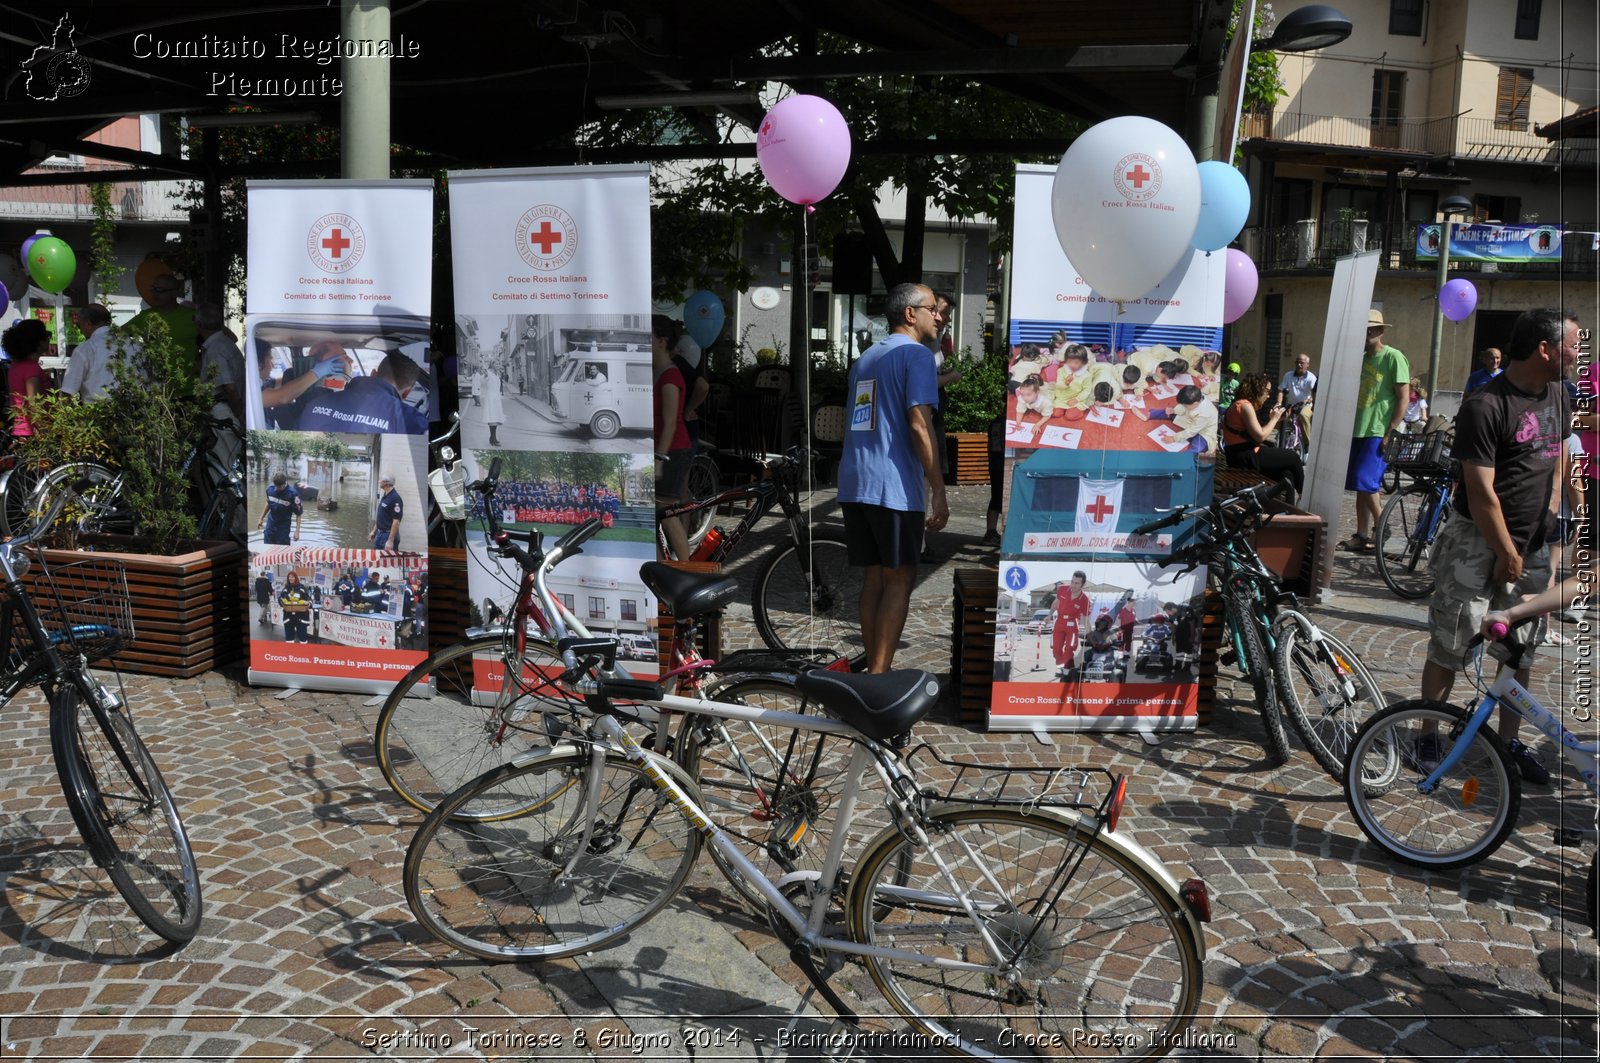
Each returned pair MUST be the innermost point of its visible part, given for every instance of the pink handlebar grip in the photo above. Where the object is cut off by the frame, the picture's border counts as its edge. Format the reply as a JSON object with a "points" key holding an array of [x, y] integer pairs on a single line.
{"points": [[1498, 630]]}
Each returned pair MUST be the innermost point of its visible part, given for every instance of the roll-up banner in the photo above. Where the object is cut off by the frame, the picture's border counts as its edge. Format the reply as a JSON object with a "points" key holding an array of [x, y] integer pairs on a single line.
{"points": [[552, 294], [1096, 629], [340, 393]]}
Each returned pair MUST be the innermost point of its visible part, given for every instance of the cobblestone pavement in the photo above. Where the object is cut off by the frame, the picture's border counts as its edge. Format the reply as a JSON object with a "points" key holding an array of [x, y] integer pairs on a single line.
{"points": [[1319, 948]]}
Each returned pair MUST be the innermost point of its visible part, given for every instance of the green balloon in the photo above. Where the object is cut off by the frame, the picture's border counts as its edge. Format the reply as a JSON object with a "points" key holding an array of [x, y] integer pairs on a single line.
{"points": [[51, 263]]}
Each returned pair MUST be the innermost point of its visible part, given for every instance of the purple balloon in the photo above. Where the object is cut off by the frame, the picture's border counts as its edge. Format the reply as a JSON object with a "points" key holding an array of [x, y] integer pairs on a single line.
{"points": [[804, 148], [1239, 283], [1458, 299], [5, 298], [28, 244]]}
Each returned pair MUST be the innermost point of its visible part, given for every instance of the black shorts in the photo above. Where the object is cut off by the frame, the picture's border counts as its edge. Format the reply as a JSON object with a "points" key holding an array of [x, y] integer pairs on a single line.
{"points": [[674, 474], [877, 535]]}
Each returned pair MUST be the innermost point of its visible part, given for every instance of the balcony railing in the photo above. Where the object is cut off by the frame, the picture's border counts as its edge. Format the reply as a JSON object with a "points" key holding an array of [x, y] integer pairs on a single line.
{"points": [[1313, 246], [1464, 137]]}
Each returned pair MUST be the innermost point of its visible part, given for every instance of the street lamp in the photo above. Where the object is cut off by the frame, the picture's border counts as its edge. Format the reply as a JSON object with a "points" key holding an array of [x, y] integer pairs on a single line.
{"points": [[1305, 29], [1452, 206]]}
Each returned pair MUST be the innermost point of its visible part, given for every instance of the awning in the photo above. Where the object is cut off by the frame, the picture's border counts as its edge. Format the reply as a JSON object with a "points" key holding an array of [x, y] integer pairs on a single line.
{"points": [[338, 555]]}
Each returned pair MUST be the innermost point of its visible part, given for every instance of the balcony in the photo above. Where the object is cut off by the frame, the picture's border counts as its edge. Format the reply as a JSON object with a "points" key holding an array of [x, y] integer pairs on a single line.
{"points": [[1480, 139], [1310, 245]]}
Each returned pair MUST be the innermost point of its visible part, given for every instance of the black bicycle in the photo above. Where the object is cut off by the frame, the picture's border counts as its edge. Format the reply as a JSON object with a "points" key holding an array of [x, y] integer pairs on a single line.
{"points": [[53, 623], [1409, 526]]}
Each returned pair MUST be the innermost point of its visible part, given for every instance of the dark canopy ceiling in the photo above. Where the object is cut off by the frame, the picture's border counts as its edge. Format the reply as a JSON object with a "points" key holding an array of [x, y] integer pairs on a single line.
{"points": [[496, 83]]}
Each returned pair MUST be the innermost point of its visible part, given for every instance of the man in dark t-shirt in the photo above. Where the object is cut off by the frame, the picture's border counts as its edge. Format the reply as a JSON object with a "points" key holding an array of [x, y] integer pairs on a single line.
{"points": [[1511, 441]]}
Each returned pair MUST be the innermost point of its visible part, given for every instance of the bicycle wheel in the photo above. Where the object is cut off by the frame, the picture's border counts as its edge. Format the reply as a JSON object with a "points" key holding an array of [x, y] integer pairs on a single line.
{"points": [[1407, 530], [1466, 817], [428, 744], [531, 887], [1094, 952], [17, 485], [1323, 688], [224, 517], [702, 481], [100, 506], [807, 596], [1244, 613], [126, 814], [770, 788]]}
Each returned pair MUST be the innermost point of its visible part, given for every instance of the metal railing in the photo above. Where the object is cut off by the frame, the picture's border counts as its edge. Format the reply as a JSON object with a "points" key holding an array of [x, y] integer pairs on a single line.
{"points": [[1464, 137], [1311, 245]]}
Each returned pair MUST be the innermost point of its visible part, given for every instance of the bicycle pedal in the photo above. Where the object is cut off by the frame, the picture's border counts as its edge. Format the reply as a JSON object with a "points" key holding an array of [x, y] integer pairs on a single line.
{"points": [[1227, 657]]}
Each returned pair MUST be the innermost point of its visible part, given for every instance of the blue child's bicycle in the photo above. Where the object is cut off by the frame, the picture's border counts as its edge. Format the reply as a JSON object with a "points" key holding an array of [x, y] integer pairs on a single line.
{"points": [[1432, 783]]}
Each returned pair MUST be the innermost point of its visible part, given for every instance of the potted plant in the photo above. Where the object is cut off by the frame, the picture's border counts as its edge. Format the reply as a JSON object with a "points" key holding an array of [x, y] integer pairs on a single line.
{"points": [[186, 594]]}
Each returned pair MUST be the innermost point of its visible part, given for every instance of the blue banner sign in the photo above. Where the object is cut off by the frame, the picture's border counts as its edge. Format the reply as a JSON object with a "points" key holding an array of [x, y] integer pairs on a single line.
{"points": [[1492, 243]]}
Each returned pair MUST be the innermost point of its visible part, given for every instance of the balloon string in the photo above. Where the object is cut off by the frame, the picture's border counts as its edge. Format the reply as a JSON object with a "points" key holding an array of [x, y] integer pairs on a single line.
{"points": [[805, 399]]}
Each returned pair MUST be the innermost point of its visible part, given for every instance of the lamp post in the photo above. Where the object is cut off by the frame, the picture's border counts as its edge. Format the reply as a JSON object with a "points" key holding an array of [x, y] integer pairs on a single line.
{"points": [[1451, 207]]}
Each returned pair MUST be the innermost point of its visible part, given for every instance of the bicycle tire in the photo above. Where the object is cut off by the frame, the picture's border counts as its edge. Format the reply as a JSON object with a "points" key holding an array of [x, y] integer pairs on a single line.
{"points": [[1406, 535], [1256, 665], [759, 782], [502, 890], [1100, 939], [16, 491], [103, 509], [1324, 689], [807, 596], [702, 481], [428, 745], [126, 814], [1467, 816]]}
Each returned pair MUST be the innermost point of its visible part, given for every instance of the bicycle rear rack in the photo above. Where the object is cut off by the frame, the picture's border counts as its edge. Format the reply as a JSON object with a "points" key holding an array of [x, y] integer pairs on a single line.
{"points": [[1025, 786]]}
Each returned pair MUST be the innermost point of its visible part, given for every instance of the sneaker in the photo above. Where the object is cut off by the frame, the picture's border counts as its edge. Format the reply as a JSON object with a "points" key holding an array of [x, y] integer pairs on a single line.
{"points": [[1529, 763], [1424, 755]]}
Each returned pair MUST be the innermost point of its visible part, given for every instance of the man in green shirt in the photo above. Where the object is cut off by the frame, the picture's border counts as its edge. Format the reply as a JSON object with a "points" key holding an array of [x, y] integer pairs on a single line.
{"points": [[1380, 407], [165, 291]]}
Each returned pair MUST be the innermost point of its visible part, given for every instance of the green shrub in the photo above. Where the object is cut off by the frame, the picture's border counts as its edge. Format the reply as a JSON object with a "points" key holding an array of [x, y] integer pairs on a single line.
{"points": [[979, 396]]}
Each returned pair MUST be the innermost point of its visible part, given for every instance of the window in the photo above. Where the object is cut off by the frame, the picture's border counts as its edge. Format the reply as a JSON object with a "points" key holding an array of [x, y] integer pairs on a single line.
{"points": [[1528, 20], [639, 374], [1511, 98], [1405, 18], [630, 609], [1507, 210], [1140, 495], [597, 608], [1388, 93], [567, 602]]}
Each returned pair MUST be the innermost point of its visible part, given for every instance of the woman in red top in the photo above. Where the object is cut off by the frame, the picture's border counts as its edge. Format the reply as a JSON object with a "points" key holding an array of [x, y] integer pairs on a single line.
{"points": [[24, 343], [673, 452], [1245, 435]]}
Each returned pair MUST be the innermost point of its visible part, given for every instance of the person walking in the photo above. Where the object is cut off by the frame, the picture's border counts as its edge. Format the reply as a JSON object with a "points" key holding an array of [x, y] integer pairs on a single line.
{"points": [[385, 531], [1380, 407], [283, 508], [890, 488], [1511, 441], [264, 596]]}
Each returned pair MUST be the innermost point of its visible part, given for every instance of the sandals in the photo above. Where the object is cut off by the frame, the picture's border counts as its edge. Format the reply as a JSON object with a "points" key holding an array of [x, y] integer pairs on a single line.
{"points": [[1359, 544]]}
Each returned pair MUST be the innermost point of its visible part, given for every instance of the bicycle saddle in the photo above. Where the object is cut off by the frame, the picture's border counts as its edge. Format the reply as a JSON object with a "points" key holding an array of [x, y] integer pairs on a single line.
{"points": [[688, 594], [879, 706]]}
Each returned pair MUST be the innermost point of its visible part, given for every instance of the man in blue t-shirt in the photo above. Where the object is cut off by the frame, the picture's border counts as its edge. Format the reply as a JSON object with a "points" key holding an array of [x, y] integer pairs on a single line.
{"points": [[369, 404], [283, 507], [1488, 368], [386, 524], [888, 456]]}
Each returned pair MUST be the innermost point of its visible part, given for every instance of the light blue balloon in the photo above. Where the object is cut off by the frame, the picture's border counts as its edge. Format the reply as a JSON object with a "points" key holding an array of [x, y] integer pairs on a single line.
{"points": [[702, 317], [1224, 206]]}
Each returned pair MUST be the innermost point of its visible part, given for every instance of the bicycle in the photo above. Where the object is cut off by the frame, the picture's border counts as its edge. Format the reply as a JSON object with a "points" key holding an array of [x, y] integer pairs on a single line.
{"points": [[118, 799], [480, 703], [1409, 526], [1291, 431], [805, 593], [1292, 665], [1433, 785], [1007, 903]]}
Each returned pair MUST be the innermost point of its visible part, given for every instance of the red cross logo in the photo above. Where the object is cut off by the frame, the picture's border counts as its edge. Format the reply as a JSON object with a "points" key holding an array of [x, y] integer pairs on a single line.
{"points": [[766, 127], [1100, 509], [547, 238], [1138, 175], [336, 242]]}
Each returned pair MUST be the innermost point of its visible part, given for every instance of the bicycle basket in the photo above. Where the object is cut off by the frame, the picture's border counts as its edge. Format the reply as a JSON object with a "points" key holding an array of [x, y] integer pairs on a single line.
{"points": [[83, 607], [1429, 452]]}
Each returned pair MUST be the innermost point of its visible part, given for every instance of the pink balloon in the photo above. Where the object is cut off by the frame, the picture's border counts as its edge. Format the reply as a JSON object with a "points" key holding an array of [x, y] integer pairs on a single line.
{"points": [[804, 148], [1458, 299], [1239, 283]]}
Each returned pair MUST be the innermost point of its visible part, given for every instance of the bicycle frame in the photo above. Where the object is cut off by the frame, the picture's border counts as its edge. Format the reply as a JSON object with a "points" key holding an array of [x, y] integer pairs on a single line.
{"points": [[1506, 692], [761, 494]]}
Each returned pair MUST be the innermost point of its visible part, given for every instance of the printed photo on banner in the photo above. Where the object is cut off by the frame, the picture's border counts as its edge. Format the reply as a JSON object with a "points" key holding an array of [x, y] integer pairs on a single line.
{"points": [[1100, 640], [1067, 503], [1098, 386], [342, 374], [549, 382], [361, 492], [318, 596], [555, 491]]}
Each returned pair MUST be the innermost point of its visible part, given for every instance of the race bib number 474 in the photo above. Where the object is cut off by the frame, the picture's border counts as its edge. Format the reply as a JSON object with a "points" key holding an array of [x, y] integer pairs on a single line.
{"points": [[864, 414]]}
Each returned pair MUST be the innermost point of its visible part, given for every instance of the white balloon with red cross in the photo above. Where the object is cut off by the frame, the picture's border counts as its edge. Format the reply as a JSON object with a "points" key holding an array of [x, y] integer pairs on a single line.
{"points": [[1125, 203]]}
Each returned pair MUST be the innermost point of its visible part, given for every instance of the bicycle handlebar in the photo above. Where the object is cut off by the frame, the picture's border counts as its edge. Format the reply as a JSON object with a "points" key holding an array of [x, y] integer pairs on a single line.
{"points": [[1173, 517]]}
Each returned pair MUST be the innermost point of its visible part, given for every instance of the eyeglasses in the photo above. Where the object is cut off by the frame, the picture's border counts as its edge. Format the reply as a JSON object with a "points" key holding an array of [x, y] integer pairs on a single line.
{"points": [[932, 308]]}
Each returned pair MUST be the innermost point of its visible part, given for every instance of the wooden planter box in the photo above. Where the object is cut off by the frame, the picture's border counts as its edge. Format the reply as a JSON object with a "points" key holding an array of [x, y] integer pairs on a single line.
{"points": [[188, 609], [971, 463]]}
